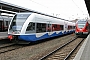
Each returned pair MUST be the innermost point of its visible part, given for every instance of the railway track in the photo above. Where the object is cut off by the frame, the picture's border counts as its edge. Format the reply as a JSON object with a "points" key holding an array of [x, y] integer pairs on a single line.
{"points": [[9, 47], [64, 51], [6, 45]]}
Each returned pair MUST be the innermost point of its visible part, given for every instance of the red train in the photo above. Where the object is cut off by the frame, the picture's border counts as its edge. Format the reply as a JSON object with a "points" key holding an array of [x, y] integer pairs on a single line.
{"points": [[4, 22], [82, 27]]}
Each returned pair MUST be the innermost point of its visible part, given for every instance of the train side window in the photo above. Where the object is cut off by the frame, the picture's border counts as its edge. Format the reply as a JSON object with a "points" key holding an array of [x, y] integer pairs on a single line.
{"points": [[31, 26], [6, 23], [73, 27], [49, 28], [70, 27], [61, 27], [55, 26], [41, 27]]}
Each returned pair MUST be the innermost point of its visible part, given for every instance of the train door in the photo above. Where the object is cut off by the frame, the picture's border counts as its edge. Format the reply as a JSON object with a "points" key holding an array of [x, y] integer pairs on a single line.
{"points": [[49, 28], [66, 26], [1, 25], [6, 25], [40, 29]]}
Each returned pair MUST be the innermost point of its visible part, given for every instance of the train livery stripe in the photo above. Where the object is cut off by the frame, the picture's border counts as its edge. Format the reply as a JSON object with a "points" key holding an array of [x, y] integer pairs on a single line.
{"points": [[34, 38]]}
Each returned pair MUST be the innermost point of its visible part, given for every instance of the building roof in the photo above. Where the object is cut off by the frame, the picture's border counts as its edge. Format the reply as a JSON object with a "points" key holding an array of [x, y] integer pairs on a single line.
{"points": [[88, 5], [14, 8]]}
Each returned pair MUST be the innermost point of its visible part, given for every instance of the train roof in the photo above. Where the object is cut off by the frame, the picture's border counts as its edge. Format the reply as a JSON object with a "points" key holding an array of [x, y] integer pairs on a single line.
{"points": [[43, 14], [6, 18], [81, 20]]}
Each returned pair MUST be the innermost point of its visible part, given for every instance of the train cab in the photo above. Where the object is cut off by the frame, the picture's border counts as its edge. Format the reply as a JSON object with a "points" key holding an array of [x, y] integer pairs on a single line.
{"points": [[82, 27]]}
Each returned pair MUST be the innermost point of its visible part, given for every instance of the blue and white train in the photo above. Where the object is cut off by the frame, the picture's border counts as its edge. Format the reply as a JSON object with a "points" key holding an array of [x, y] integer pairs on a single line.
{"points": [[31, 26]]}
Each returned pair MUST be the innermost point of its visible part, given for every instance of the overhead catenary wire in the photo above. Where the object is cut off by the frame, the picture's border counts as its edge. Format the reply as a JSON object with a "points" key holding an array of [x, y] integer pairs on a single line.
{"points": [[55, 13], [38, 3], [77, 6], [80, 9], [46, 7]]}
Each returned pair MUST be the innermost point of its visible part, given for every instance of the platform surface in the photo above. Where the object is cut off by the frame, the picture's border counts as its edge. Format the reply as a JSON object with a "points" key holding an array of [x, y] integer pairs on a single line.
{"points": [[84, 51], [3, 35]]}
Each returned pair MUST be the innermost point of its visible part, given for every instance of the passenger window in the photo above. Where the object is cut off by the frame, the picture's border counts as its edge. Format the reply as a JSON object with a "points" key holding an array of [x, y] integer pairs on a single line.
{"points": [[31, 26], [41, 27], [69, 27], [55, 26], [6, 23], [61, 27], [73, 27], [49, 28]]}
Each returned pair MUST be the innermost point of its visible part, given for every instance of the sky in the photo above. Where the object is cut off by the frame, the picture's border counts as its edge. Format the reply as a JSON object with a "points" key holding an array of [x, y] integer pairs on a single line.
{"points": [[66, 9]]}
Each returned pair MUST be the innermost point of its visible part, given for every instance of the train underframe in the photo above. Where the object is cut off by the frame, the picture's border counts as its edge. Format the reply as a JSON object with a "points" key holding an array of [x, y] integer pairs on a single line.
{"points": [[14, 39], [82, 34]]}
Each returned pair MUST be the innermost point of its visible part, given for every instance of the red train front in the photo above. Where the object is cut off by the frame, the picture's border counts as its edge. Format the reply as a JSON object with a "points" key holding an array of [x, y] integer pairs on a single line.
{"points": [[82, 27]]}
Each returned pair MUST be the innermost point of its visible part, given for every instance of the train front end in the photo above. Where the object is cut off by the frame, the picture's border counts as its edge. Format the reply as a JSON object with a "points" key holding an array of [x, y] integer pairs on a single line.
{"points": [[81, 28], [16, 25]]}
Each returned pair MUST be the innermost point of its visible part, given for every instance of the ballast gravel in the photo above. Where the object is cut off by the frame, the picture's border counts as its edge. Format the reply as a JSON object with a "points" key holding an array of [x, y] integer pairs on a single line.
{"points": [[36, 51]]}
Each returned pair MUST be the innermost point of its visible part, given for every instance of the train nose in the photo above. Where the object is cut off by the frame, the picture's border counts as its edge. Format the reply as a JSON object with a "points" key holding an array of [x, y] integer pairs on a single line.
{"points": [[80, 29]]}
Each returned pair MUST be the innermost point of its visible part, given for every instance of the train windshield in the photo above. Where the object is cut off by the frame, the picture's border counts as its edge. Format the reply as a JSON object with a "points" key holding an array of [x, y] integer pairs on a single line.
{"points": [[18, 21], [81, 24]]}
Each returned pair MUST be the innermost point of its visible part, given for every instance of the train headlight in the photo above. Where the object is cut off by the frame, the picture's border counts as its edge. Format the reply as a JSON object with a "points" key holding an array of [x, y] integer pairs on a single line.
{"points": [[76, 32]]}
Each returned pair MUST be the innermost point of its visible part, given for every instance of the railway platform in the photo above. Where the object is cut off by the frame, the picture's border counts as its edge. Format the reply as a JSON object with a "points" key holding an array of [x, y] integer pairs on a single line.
{"points": [[3, 35], [84, 51]]}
